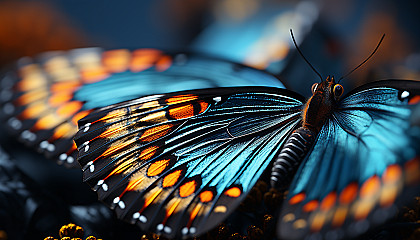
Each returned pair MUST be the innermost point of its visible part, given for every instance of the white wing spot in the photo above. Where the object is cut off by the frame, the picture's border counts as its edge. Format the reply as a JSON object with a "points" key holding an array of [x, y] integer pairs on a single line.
{"points": [[92, 168], [8, 108], [116, 200], [15, 123], [62, 156], [167, 229], [193, 230], [143, 219], [121, 204], [70, 159], [217, 99], [51, 147], [184, 231], [44, 144], [105, 187], [30, 136], [136, 215], [159, 227], [405, 94], [87, 126], [86, 148]]}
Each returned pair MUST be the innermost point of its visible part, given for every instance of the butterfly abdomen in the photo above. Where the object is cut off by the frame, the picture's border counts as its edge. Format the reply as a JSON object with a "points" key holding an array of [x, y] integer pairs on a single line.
{"points": [[289, 158]]}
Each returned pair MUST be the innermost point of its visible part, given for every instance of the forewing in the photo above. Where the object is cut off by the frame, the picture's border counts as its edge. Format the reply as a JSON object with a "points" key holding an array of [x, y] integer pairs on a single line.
{"points": [[44, 97], [364, 163], [178, 164]]}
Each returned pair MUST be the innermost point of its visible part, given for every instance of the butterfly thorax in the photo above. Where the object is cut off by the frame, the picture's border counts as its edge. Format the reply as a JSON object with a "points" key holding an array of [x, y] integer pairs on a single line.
{"points": [[319, 107], [316, 112]]}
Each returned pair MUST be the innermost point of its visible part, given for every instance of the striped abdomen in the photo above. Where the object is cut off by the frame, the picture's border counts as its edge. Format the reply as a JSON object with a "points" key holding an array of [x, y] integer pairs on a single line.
{"points": [[291, 155]]}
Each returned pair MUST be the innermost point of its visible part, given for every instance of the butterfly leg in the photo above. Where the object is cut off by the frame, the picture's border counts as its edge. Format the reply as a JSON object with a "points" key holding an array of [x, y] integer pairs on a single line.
{"points": [[291, 155]]}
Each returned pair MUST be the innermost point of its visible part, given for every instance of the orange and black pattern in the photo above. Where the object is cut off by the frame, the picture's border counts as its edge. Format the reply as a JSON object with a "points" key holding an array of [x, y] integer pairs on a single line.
{"points": [[178, 164]]}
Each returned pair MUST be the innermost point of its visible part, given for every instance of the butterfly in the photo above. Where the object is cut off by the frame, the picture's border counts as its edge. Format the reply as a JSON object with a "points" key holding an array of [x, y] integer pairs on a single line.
{"points": [[42, 98], [179, 163]]}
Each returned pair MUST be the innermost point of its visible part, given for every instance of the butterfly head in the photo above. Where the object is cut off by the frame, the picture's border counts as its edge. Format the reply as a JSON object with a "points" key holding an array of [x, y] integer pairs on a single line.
{"points": [[329, 89], [319, 107]]}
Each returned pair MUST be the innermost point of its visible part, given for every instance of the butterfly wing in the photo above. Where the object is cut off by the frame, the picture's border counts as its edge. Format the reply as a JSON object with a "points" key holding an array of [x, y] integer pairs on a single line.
{"points": [[179, 163], [45, 97], [364, 162]]}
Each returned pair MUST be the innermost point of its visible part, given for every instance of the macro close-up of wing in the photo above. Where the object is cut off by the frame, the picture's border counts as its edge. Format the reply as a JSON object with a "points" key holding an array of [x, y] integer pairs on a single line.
{"points": [[365, 163], [179, 163], [42, 98]]}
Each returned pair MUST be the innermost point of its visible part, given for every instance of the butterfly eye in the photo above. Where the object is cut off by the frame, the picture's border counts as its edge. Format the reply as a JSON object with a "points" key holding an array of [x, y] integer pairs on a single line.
{"points": [[338, 90], [314, 86]]}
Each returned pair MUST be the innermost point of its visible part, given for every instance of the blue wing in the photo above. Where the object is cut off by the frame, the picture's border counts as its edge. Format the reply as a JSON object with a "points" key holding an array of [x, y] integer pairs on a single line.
{"points": [[365, 160], [178, 164], [45, 97]]}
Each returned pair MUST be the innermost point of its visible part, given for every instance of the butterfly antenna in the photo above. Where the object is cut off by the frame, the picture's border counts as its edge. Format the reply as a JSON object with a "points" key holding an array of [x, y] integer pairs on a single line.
{"points": [[374, 51], [301, 54]]}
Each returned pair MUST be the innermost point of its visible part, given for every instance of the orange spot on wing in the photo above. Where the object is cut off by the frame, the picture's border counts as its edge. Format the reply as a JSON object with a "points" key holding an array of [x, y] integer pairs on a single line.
{"points": [[187, 188], [79, 116], [329, 201], [163, 63], [194, 214], [339, 216], [70, 86], [72, 148], [318, 222], [143, 59], [388, 195], [33, 81], [95, 74], [116, 60], [310, 206], [233, 192], [171, 179], [348, 194], [148, 153], [370, 187], [181, 99], [69, 109], [414, 100], [113, 149], [412, 170], [30, 97], [392, 174], [133, 183], [203, 106], [363, 208], [170, 210], [121, 168], [34, 110], [113, 114], [47, 122], [298, 198], [157, 167], [64, 130], [206, 196], [155, 132], [60, 98], [149, 199], [109, 132], [182, 112]]}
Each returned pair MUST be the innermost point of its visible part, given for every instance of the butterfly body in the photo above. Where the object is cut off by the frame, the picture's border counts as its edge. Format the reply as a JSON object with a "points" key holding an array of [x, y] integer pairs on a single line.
{"points": [[317, 110], [319, 107]]}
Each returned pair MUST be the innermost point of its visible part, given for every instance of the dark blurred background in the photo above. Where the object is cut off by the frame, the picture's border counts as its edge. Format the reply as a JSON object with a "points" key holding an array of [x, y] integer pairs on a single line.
{"points": [[334, 35]]}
